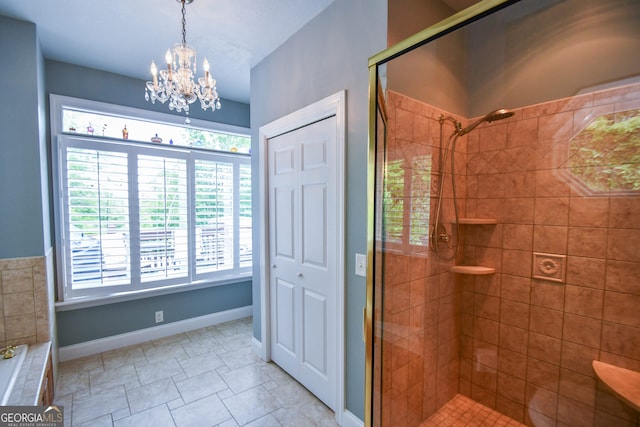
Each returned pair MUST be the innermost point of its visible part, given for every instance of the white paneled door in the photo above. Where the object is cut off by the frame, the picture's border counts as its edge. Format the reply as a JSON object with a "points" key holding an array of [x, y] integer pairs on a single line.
{"points": [[302, 243]]}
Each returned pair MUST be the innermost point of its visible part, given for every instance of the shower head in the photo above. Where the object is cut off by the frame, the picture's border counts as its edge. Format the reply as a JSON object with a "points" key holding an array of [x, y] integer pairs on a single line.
{"points": [[491, 117], [498, 115]]}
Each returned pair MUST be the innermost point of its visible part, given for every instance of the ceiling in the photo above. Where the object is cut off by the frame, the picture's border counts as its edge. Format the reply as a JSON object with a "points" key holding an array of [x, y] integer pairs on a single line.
{"points": [[123, 36]]}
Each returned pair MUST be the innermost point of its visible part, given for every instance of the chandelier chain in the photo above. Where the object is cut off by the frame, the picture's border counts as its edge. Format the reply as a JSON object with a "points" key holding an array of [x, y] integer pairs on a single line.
{"points": [[184, 23]]}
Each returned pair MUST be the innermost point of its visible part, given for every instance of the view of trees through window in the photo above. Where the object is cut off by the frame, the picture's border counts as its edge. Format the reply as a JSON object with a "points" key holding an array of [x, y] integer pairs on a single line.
{"points": [[605, 155], [393, 201], [407, 188]]}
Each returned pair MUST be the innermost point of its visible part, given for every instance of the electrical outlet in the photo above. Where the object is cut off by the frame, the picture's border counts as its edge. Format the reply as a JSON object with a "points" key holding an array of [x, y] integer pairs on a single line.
{"points": [[159, 316]]}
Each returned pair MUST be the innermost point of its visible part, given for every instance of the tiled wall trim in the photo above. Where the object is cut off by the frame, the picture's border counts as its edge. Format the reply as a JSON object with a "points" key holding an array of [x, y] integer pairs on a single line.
{"points": [[25, 301]]}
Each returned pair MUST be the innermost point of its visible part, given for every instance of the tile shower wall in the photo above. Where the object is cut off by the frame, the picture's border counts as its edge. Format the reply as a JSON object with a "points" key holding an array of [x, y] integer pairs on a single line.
{"points": [[527, 344], [421, 308], [26, 301]]}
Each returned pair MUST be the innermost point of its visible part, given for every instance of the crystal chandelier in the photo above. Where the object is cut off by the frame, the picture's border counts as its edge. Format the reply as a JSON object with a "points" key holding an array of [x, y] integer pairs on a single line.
{"points": [[176, 84]]}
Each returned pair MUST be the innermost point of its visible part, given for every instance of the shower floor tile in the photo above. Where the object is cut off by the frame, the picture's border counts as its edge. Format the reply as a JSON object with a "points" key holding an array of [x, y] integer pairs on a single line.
{"points": [[462, 411]]}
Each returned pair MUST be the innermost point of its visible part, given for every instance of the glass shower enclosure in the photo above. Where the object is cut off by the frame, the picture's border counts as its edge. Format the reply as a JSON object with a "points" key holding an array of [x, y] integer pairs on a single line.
{"points": [[504, 218]]}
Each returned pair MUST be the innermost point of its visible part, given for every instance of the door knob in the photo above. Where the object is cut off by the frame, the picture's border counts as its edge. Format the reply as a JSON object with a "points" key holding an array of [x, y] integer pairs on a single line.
{"points": [[273, 266], [299, 274]]}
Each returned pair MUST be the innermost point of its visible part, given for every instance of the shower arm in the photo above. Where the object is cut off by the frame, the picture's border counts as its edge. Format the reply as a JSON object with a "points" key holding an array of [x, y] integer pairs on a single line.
{"points": [[471, 127], [459, 130], [456, 123]]}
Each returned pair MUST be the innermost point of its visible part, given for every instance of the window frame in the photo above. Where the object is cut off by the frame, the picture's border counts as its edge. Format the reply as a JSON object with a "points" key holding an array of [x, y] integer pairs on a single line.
{"points": [[67, 297]]}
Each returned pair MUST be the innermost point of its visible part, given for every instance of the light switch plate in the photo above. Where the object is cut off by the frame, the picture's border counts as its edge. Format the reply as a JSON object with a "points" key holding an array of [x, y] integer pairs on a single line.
{"points": [[361, 265]]}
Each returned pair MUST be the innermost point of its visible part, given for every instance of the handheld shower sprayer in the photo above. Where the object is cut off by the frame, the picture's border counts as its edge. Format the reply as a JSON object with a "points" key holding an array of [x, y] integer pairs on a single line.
{"points": [[491, 117], [439, 233]]}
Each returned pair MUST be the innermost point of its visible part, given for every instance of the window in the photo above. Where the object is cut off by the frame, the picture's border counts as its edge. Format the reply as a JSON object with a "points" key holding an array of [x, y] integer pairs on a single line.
{"points": [[394, 201], [79, 121], [407, 195], [135, 216], [603, 155]]}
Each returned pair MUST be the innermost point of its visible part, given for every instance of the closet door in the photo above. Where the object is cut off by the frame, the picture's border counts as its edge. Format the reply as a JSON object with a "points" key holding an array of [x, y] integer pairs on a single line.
{"points": [[303, 291]]}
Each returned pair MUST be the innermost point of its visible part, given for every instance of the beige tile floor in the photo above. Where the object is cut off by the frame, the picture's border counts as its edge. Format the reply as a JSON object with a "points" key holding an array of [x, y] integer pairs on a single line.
{"points": [[464, 412], [206, 377]]}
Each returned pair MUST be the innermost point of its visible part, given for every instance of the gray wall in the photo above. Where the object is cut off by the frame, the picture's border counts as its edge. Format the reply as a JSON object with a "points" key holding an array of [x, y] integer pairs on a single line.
{"points": [[92, 323], [584, 42], [24, 210], [328, 55], [436, 72], [408, 17], [484, 67], [88, 83]]}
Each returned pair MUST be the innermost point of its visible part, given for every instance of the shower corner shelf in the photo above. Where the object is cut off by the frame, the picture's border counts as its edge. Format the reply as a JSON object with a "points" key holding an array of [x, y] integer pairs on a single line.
{"points": [[475, 270], [624, 383], [476, 221]]}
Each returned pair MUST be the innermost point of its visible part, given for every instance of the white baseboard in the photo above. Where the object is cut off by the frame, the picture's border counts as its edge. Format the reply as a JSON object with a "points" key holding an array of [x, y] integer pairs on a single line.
{"points": [[350, 420], [100, 345], [256, 346]]}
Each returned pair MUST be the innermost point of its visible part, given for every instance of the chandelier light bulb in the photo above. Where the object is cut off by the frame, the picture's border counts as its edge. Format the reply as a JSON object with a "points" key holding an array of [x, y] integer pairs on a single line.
{"points": [[207, 78], [154, 74], [176, 84]]}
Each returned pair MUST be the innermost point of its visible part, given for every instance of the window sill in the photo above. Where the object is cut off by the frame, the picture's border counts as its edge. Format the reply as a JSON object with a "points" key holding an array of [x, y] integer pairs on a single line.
{"points": [[86, 302]]}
